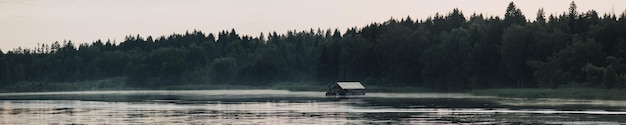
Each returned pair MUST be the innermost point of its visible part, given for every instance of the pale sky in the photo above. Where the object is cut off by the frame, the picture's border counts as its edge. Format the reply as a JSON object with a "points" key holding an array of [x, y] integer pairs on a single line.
{"points": [[28, 22]]}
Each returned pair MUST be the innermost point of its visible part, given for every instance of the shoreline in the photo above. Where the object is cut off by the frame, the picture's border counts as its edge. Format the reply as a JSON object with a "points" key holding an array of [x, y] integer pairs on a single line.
{"points": [[559, 93], [118, 84]]}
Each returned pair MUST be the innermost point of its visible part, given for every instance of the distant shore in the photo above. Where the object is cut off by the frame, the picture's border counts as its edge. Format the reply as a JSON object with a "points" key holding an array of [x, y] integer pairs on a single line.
{"points": [[563, 93], [118, 83]]}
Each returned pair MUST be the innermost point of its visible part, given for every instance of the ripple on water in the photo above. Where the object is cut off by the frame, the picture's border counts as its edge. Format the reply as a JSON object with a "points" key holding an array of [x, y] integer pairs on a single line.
{"points": [[284, 107]]}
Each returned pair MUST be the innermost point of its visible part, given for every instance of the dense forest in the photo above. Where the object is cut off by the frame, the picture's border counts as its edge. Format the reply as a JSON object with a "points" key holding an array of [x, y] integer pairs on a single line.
{"points": [[445, 52]]}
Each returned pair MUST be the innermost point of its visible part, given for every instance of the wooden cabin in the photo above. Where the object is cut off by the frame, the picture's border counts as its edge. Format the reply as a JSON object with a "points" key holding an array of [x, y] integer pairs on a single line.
{"points": [[346, 88]]}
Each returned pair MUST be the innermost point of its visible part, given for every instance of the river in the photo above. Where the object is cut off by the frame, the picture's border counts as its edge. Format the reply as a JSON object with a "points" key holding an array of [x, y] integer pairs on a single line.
{"points": [[286, 107]]}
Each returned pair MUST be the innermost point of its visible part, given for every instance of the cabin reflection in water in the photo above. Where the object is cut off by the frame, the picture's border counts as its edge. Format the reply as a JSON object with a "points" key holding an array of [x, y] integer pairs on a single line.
{"points": [[346, 88]]}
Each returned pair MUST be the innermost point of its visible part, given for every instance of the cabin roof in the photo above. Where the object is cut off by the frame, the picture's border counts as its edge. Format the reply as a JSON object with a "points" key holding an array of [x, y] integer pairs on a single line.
{"points": [[350, 85]]}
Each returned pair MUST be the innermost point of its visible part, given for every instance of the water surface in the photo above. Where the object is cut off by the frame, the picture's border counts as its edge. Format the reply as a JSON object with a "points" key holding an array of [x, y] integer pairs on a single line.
{"points": [[285, 107]]}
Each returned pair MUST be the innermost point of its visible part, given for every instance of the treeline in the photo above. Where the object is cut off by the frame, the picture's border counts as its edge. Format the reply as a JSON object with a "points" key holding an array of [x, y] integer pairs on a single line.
{"points": [[444, 52]]}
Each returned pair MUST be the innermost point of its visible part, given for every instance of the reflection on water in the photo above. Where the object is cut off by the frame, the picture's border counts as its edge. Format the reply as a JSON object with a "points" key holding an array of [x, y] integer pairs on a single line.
{"points": [[284, 107]]}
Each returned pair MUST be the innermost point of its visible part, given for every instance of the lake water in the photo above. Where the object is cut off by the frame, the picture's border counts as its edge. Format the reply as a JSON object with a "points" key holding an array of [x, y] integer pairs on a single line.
{"points": [[285, 107]]}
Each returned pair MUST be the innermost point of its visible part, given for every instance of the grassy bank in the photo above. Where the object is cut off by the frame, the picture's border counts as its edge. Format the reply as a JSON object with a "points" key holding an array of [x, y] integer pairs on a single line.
{"points": [[295, 87], [281, 86], [119, 83], [114, 83], [565, 93], [397, 89]]}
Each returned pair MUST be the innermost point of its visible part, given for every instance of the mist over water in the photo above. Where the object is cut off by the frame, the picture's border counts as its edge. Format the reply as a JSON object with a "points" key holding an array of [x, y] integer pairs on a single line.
{"points": [[285, 107]]}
